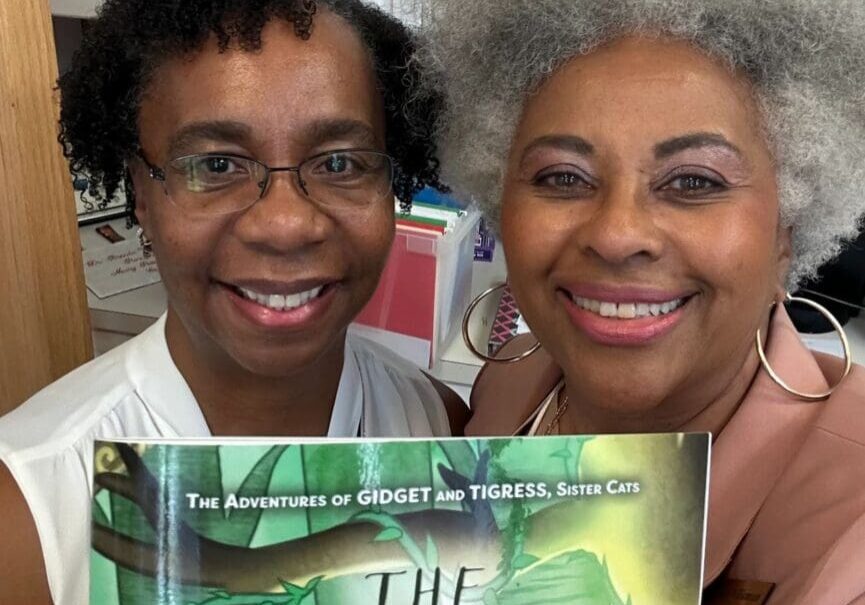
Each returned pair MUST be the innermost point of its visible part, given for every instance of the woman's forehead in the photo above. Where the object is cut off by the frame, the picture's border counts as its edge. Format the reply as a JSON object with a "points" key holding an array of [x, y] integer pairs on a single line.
{"points": [[287, 86], [659, 88]]}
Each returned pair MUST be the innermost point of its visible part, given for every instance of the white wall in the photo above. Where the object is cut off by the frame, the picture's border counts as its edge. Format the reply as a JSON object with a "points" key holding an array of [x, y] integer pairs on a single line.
{"points": [[74, 8], [408, 10]]}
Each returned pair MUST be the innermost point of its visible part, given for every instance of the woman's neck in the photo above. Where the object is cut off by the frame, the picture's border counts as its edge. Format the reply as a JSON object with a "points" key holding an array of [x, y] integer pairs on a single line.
{"points": [[235, 401]]}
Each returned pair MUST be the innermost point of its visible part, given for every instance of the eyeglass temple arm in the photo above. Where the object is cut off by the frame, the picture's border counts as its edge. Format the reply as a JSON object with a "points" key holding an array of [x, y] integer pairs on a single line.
{"points": [[155, 172]]}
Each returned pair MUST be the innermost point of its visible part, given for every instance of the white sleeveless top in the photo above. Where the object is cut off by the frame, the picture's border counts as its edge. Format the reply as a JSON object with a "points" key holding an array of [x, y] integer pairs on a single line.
{"points": [[136, 390]]}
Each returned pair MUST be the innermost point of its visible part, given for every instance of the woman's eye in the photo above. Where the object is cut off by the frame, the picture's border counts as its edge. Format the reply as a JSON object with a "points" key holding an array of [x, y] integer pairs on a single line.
{"points": [[561, 182], [343, 167], [218, 165], [208, 173], [694, 184], [214, 166], [337, 163]]}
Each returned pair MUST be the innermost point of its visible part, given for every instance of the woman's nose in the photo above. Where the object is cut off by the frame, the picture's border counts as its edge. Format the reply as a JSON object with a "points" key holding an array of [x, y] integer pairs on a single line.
{"points": [[620, 228], [284, 218]]}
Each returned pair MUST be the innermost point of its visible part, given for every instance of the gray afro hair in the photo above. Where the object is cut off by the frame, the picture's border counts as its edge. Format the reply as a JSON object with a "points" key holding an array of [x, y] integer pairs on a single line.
{"points": [[804, 58]]}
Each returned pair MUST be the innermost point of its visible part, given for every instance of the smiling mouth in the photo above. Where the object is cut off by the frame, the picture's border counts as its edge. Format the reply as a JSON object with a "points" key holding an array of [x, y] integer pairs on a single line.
{"points": [[627, 310], [282, 302]]}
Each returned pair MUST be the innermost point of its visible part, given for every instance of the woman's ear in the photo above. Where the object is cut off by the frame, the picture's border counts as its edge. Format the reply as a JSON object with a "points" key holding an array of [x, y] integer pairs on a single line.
{"points": [[784, 258]]}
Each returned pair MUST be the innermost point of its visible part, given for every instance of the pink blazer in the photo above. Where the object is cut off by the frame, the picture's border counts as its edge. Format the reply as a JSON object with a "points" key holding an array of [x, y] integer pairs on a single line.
{"points": [[787, 488]]}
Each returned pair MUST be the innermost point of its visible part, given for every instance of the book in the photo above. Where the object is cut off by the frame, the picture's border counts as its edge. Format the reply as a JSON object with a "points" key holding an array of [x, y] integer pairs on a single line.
{"points": [[587, 520]]}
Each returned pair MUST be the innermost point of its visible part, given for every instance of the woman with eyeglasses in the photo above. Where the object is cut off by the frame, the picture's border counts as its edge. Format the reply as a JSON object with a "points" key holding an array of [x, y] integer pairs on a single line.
{"points": [[261, 145], [662, 172]]}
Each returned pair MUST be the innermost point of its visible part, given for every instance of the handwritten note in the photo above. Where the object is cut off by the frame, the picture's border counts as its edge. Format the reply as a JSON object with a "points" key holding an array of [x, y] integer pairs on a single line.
{"points": [[110, 270]]}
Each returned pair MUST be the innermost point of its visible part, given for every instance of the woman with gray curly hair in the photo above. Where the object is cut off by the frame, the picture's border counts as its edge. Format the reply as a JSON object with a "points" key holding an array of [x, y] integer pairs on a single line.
{"points": [[661, 172]]}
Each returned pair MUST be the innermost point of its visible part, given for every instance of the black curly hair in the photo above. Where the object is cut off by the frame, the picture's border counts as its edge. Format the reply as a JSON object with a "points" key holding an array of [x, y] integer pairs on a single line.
{"points": [[100, 94]]}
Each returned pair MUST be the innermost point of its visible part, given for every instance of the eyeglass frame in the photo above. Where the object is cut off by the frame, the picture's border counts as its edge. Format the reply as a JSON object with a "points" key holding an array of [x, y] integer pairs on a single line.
{"points": [[157, 173]]}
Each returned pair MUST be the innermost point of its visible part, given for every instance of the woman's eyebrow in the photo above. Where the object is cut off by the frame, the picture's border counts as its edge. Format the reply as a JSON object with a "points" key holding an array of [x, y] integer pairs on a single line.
{"points": [[568, 142], [565, 142], [230, 131], [321, 131], [218, 130], [696, 140]]}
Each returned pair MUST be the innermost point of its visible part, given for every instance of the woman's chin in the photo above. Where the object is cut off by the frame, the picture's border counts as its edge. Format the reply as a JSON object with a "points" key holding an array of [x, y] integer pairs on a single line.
{"points": [[622, 396], [278, 363]]}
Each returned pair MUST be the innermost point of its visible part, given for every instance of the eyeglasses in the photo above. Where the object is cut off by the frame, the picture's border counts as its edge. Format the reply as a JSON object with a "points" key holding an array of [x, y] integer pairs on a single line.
{"points": [[216, 183]]}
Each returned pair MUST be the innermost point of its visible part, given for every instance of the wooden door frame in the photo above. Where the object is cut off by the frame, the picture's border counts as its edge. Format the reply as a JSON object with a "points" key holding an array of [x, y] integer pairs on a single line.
{"points": [[44, 321]]}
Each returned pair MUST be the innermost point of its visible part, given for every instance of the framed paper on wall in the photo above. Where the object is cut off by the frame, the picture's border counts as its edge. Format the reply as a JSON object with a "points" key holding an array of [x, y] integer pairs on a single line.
{"points": [[91, 209]]}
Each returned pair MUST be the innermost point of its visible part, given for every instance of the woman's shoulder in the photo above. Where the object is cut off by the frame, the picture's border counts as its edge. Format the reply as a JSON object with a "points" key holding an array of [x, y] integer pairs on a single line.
{"points": [[45, 453], [56, 415], [104, 390], [391, 378], [844, 412], [809, 535], [374, 354], [506, 395]]}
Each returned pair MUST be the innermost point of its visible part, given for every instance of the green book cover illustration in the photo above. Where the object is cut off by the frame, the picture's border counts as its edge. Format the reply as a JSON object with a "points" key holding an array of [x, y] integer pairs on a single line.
{"points": [[585, 520]]}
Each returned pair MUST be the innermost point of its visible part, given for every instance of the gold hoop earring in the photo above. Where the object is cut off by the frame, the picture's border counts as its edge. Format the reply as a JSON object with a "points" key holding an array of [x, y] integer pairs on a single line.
{"points": [[467, 339], [145, 242], [848, 359]]}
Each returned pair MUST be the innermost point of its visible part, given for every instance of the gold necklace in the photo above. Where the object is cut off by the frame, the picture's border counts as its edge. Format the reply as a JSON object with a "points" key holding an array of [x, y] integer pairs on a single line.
{"points": [[561, 408]]}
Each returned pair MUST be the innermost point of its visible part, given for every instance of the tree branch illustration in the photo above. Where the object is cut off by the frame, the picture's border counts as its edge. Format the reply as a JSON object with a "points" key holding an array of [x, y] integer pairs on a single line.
{"points": [[179, 555]]}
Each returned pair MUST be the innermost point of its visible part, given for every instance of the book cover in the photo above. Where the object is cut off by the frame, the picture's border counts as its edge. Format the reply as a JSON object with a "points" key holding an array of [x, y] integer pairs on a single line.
{"points": [[586, 520]]}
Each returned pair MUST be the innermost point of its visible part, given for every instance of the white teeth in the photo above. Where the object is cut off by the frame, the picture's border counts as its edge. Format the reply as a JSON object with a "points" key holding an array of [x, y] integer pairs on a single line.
{"points": [[608, 309], [275, 301], [279, 302], [627, 310]]}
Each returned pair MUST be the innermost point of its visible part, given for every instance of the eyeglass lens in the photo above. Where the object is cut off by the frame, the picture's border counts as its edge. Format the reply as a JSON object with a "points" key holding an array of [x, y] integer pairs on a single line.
{"points": [[211, 183]]}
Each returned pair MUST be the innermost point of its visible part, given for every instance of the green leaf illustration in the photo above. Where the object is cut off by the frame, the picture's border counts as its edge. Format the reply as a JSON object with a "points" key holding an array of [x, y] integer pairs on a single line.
{"points": [[524, 560], [291, 590], [220, 594], [461, 456], [432, 553], [310, 586], [563, 453], [392, 530], [576, 578], [99, 515], [298, 594], [243, 522], [388, 534]]}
